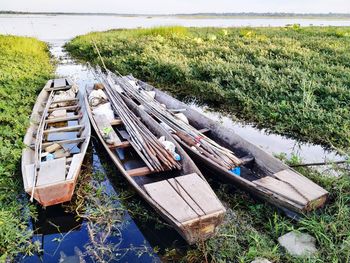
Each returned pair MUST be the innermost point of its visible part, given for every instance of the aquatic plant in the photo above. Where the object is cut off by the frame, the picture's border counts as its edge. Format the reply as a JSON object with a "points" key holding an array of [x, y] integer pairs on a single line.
{"points": [[292, 80], [24, 69]]}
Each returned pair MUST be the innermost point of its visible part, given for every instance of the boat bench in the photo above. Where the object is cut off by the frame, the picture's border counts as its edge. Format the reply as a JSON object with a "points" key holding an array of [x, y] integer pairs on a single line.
{"points": [[295, 188], [185, 197]]}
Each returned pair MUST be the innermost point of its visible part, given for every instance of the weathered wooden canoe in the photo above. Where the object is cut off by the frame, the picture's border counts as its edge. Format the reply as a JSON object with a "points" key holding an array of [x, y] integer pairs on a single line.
{"points": [[182, 197], [57, 138], [264, 175]]}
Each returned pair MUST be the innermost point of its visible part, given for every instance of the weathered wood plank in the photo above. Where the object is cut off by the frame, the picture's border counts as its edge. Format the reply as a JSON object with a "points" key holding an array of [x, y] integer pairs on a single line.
{"points": [[52, 171], [200, 192], [76, 162], [178, 188], [281, 188], [142, 171], [308, 188], [67, 108], [166, 197], [62, 119], [58, 83], [124, 144], [64, 129], [60, 101], [116, 122], [77, 140]]}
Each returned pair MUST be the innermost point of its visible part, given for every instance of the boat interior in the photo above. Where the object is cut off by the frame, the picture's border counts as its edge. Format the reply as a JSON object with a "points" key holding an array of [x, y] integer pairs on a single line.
{"points": [[65, 135]]}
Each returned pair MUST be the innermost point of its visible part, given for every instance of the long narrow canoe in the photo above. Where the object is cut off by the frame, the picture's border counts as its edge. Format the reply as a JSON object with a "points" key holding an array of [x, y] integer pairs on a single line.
{"points": [[264, 175], [56, 143], [182, 197]]}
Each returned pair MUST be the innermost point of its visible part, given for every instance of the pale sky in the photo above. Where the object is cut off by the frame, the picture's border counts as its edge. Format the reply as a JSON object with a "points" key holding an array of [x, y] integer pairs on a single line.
{"points": [[178, 6]]}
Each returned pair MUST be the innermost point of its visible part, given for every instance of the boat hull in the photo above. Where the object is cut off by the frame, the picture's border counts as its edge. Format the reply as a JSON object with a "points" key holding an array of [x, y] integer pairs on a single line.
{"points": [[297, 193], [49, 193], [192, 231]]}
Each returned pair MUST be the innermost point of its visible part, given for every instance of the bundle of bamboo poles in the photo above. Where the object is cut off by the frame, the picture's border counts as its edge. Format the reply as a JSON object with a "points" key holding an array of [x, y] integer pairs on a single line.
{"points": [[182, 131], [152, 152]]}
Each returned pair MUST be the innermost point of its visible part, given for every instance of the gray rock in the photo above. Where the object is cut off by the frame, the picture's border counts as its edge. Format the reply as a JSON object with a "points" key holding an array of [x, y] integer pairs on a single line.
{"points": [[298, 244], [261, 260]]}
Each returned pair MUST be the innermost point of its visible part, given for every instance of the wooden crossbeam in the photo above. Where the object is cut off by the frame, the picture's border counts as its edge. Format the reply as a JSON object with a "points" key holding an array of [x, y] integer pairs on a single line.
{"points": [[123, 144], [60, 88], [64, 129], [116, 122], [67, 108], [142, 171], [60, 101], [77, 140], [61, 119]]}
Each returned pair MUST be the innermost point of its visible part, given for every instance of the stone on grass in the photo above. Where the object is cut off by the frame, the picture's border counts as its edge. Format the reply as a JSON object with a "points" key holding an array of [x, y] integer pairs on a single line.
{"points": [[261, 260], [298, 244]]}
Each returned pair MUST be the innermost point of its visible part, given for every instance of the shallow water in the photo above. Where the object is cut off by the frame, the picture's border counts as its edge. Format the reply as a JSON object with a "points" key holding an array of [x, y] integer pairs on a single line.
{"points": [[54, 224]]}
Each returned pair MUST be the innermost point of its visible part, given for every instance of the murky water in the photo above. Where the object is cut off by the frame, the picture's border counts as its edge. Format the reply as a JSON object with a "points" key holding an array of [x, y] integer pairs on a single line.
{"points": [[65, 237]]}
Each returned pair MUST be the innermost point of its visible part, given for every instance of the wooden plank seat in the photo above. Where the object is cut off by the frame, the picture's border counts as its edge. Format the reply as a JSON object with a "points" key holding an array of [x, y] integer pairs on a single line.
{"points": [[64, 129], [71, 141], [142, 171], [67, 108], [50, 172], [58, 83], [185, 197], [123, 144], [292, 186], [61, 101], [63, 119]]}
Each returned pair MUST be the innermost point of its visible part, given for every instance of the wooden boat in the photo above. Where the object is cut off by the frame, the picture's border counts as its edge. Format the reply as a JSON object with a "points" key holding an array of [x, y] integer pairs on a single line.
{"points": [[56, 141], [182, 197], [262, 174]]}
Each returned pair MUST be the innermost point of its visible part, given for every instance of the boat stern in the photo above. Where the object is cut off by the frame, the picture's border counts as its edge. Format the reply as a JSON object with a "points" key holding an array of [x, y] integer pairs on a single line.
{"points": [[202, 228], [53, 194]]}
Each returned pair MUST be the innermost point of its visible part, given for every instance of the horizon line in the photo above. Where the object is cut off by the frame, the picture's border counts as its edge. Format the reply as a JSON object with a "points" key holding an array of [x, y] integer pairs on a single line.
{"points": [[175, 14]]}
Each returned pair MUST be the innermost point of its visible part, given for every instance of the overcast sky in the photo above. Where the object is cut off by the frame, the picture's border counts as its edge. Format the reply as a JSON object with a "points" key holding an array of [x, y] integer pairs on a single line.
{"points": [[178, 6]]}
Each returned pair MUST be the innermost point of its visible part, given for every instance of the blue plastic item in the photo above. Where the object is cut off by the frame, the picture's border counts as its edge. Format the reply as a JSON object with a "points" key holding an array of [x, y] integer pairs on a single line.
{"points": [[50, 156], [236, 171], [177, 157]]}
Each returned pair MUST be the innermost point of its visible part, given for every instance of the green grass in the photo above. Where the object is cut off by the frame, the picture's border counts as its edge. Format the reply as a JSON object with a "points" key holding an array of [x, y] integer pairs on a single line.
{"points": [[294, 81], [24, 69]]}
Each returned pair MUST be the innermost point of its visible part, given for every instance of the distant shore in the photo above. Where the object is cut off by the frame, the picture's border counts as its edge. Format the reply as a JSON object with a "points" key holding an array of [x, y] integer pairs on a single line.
{"points": [[335, 16]]}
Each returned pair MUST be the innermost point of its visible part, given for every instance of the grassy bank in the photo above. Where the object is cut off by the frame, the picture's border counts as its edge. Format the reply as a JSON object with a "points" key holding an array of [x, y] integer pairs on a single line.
{"points": [[24, 69], [294, 81]]}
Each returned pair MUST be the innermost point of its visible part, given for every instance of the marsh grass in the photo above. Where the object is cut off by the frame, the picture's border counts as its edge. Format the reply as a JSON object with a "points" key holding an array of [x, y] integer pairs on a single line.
{"points": [[24, 69], [292, 80]]}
